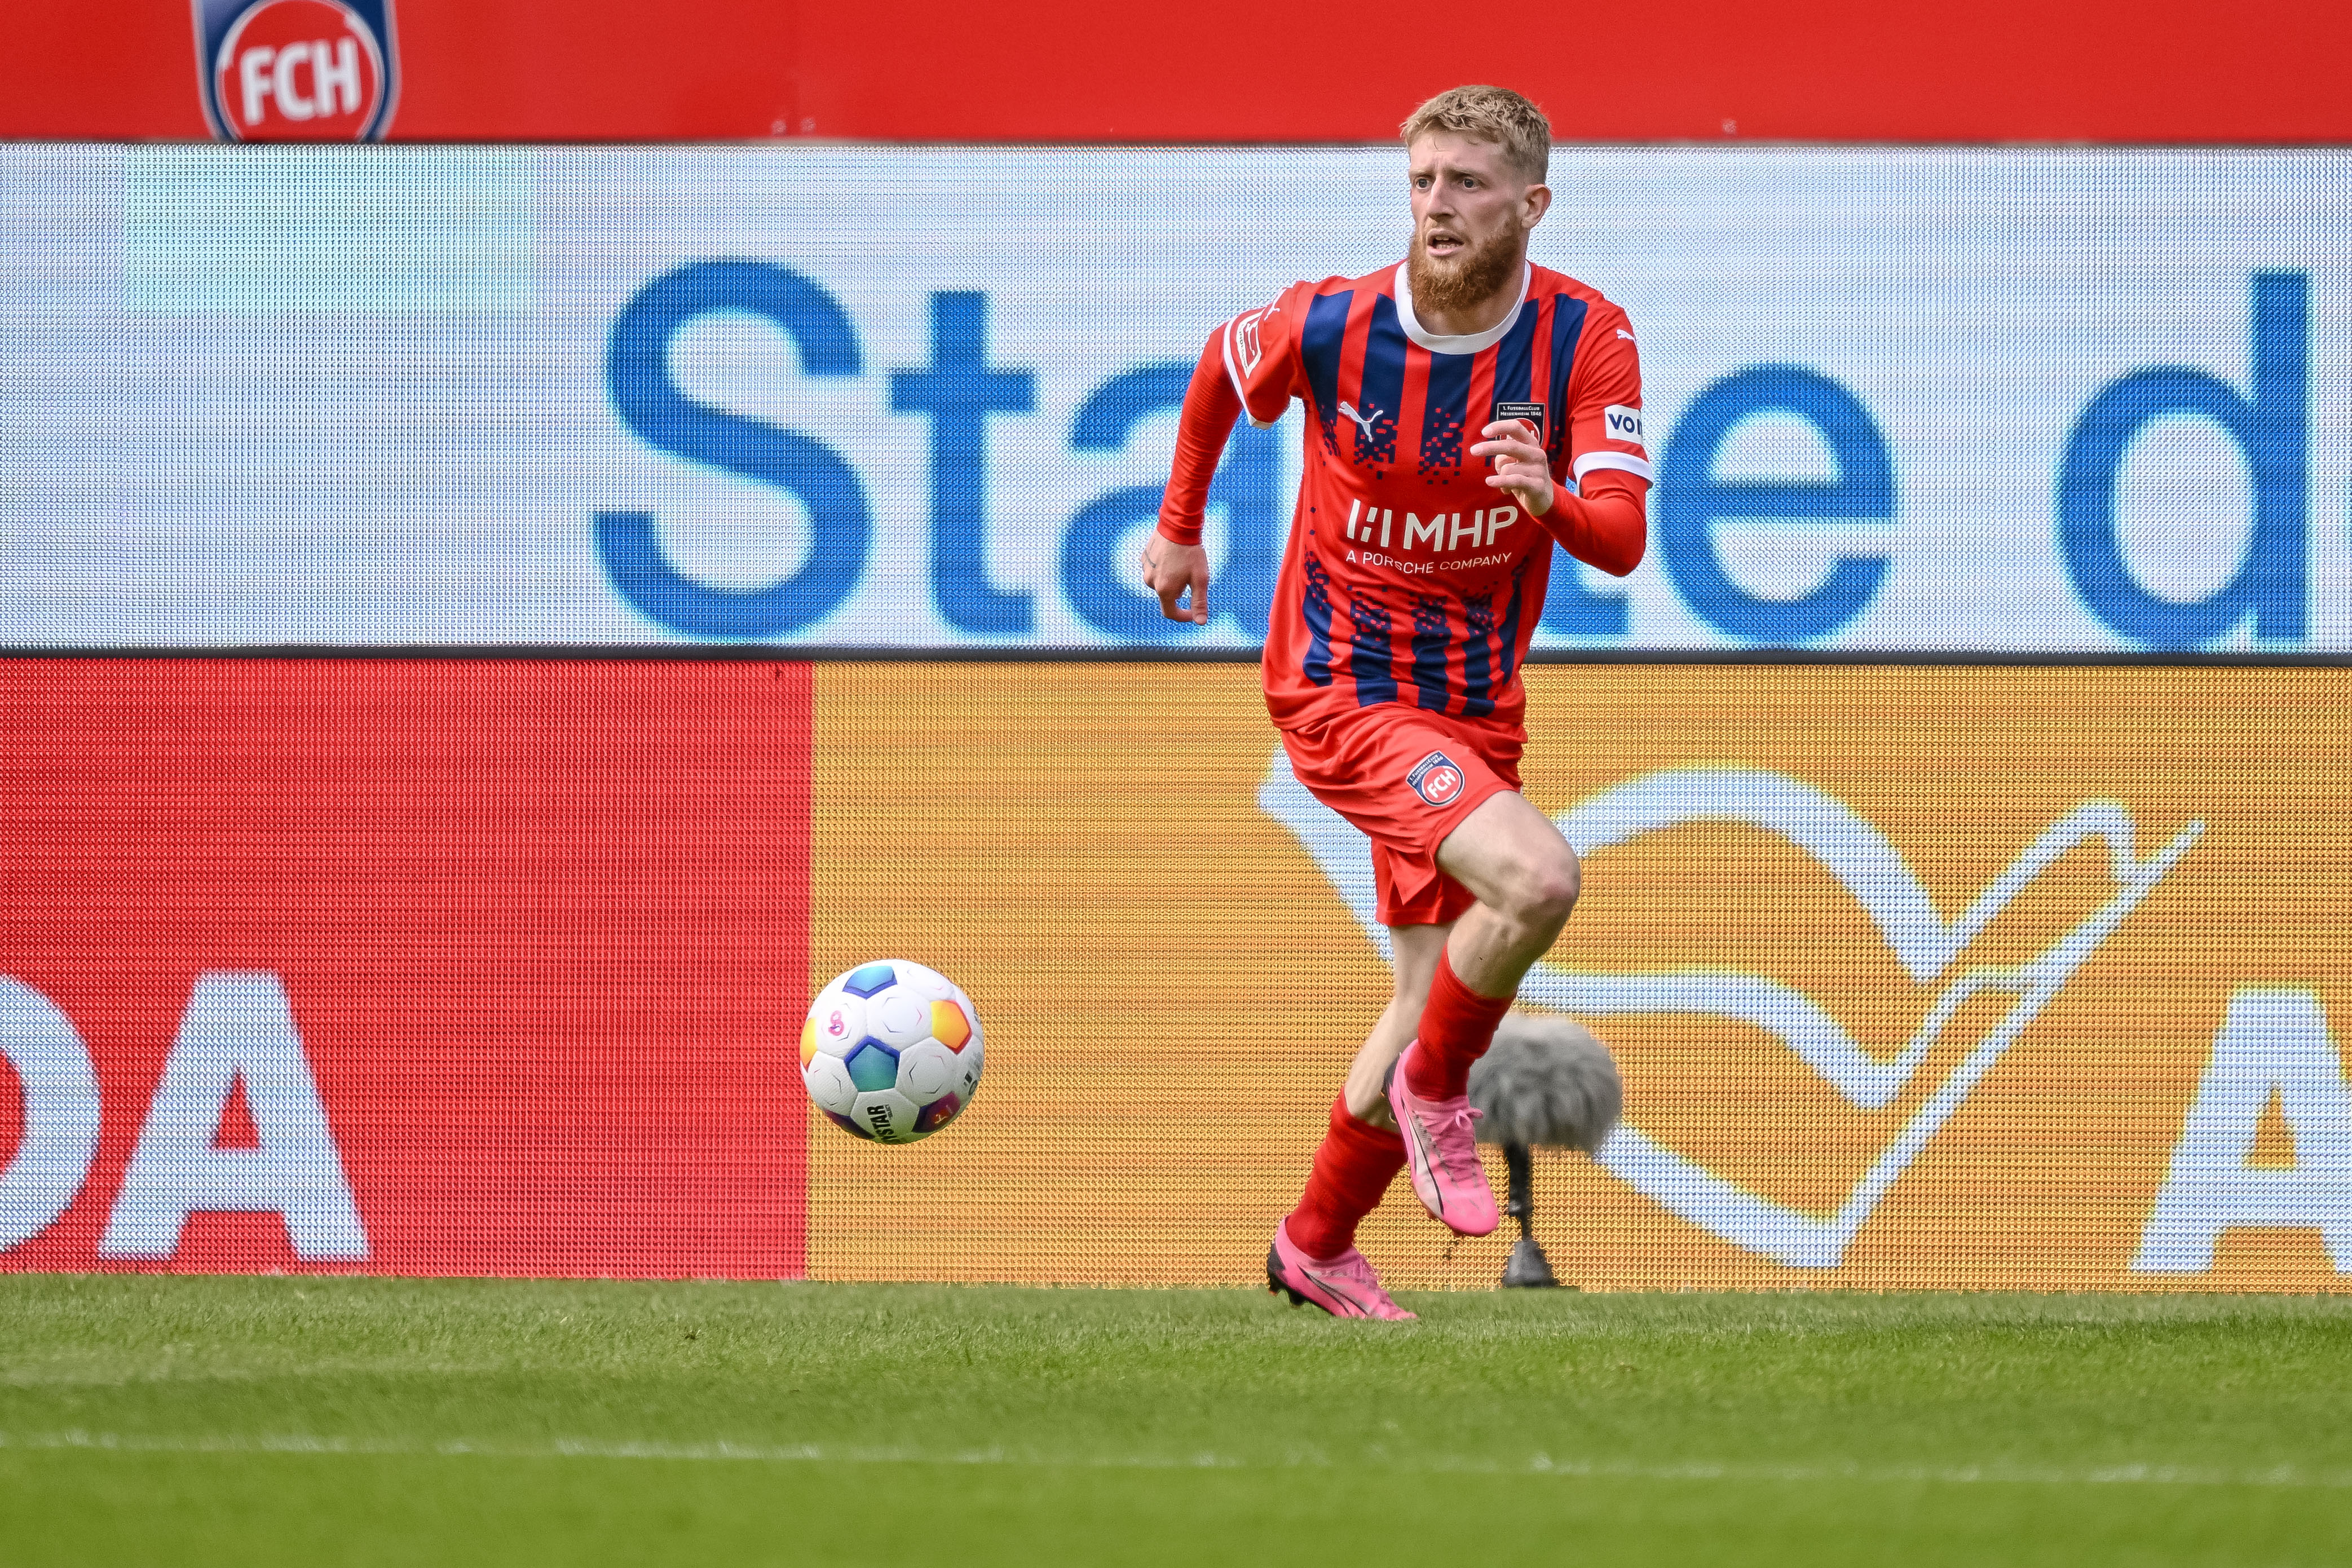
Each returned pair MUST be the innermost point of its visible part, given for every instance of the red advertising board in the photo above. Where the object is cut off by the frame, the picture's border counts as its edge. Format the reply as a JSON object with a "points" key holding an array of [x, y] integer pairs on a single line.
{"points": [[2176, 72], [422, 968]]}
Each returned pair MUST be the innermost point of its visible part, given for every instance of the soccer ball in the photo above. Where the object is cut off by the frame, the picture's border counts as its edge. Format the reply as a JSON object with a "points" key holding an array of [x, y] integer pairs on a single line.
{"points": [[891, 1051]]}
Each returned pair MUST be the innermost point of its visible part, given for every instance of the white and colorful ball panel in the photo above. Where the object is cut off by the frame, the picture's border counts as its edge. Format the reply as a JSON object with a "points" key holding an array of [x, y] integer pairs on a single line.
{"points": [[872, 1065], [898, 1016], [925, 982], [927, 1070], [829, 1084], [968, 1062], [867, 980], [939, 1113], [928, 1120], [887, 1116], [917, 979], [836, 1022]]}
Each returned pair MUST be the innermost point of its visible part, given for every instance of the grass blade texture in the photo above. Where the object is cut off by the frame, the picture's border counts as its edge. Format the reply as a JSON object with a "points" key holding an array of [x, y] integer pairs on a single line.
{"points": [[153, 1419]]}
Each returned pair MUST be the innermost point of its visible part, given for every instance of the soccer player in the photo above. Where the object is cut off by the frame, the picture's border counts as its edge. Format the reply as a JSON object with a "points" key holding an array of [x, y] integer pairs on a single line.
{"points": [[1465, 410]]}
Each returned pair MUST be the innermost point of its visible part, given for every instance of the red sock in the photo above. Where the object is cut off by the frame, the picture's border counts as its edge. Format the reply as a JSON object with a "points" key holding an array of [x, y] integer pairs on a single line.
{"points": [[1353, 1166], [1457, 1026]]}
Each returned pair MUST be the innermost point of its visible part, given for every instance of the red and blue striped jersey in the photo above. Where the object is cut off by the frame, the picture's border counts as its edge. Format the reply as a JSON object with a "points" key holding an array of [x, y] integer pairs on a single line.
{"points": [[1408, 579]]}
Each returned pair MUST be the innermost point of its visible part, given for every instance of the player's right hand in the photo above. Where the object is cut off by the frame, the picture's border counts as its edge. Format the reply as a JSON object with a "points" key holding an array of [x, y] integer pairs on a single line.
{"points": [[1170, 570]]}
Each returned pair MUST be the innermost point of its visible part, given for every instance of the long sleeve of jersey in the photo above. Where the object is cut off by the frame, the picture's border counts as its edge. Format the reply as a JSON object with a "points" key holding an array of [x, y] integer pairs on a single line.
{"points": [[1206, 424], [1602, 524], [1606, 527]]}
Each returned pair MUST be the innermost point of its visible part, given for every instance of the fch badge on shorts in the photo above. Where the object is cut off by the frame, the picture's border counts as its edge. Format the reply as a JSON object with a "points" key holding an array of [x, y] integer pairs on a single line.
{"points": [[297, 70], [1436, 779]]}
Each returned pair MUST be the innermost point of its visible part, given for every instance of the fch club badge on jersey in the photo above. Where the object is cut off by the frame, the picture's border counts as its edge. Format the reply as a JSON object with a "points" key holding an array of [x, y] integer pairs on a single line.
{"points": [[1533, 412], [297, 70], [1436, 778]]}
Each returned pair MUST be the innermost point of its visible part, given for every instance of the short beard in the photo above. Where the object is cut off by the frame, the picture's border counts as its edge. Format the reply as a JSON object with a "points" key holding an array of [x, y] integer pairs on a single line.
{"points": [[1476, 275]]}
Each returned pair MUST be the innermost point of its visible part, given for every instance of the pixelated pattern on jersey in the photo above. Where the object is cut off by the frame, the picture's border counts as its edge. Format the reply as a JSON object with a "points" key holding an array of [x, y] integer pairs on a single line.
{"points": [[1445, 411], [1477, 664], [1510, 639], [1320, 343], [1375, 431], [1314, 604], [1433, 640], [1372, 664], [1441, 443]]}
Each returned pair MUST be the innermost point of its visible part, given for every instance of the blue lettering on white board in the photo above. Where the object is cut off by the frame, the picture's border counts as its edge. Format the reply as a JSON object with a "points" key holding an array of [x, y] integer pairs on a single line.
{"points": [[637, 376], [959, 390], [2273, 432], [1245, 485], [1691, 499]]}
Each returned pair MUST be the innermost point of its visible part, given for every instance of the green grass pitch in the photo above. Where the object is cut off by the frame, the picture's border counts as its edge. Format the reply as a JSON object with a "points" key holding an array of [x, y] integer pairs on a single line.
{"points": [[157, 1420]]}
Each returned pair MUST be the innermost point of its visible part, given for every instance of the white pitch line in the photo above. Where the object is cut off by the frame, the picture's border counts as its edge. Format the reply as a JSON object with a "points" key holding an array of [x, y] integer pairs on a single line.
{"points": [[2283, 1476]]}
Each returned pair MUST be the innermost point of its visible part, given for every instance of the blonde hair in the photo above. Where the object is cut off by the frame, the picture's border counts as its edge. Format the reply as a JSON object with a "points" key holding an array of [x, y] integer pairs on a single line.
{"points": [[1494, 114]]}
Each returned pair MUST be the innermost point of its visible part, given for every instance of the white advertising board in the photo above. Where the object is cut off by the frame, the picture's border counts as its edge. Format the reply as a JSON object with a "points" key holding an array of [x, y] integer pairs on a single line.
{"points": [[1998, 401]]}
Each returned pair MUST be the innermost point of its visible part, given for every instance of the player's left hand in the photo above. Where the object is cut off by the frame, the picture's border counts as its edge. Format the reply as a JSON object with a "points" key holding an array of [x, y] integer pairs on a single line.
{"points": [[1519, 464]]}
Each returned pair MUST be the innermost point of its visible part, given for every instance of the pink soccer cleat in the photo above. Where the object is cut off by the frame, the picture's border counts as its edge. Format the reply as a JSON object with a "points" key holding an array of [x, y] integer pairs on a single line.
{"points": [[1441, 1154], [1345, 1287]]}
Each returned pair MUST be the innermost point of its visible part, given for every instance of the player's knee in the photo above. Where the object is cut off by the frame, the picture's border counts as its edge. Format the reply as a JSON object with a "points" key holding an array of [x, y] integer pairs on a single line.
{"points": [[1549, 886]]}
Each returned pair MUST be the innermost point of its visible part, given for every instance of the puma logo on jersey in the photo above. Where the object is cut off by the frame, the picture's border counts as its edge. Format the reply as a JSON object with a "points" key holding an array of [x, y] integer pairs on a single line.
{"points": [[1361, 419], [1625, 334]]}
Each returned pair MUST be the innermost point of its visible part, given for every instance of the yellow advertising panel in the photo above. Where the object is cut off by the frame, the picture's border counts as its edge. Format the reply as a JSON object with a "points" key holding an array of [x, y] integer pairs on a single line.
{"points": [[1918, 976]]}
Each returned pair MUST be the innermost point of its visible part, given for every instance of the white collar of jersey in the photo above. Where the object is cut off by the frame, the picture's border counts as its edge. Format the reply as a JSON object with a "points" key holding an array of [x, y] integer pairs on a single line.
{"points": [[1471, 343]]}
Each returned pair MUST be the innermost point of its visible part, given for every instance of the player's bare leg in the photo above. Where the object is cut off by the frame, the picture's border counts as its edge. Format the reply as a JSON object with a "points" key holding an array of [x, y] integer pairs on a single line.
{"points": [[1416, 949], [1526, 880]]}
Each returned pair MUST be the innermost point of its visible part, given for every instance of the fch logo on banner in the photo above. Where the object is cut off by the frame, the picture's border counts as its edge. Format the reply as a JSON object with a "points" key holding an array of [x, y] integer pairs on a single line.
{"points": [[297, 70]]}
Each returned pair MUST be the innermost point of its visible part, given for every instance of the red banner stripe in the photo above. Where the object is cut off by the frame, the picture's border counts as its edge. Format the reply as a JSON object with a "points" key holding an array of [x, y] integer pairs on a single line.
{"points": [[541, 930]]}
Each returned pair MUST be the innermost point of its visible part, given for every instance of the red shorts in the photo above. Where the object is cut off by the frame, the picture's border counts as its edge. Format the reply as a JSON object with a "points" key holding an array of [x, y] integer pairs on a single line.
{"points": [[1405, 779]]}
